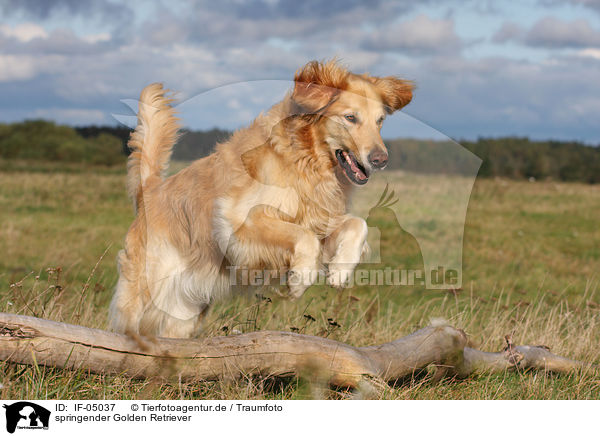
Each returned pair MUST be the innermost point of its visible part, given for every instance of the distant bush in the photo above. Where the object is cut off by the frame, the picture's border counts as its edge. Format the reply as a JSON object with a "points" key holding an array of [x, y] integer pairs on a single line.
{"points": [[99, 145], [510, 157], [45, 141], [522, 158], [120, 132], [194, 144], [428, 156]]}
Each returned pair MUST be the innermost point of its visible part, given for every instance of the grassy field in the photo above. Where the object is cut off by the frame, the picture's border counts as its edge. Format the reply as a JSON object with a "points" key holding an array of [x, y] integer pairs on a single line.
{"points": [[530, 268]]}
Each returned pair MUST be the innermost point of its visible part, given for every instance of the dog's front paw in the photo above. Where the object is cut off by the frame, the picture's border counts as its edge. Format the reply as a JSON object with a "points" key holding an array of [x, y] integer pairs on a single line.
{"points": [[299, 281], [339, 277]]}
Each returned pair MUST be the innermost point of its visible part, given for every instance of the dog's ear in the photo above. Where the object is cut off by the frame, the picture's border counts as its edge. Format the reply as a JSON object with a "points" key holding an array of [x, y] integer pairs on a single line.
{"points": [[395, 93], [317, 85]]}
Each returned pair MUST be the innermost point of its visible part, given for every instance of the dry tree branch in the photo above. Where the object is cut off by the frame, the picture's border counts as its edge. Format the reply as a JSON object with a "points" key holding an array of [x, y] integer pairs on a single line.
{"points": [[35, 341]]}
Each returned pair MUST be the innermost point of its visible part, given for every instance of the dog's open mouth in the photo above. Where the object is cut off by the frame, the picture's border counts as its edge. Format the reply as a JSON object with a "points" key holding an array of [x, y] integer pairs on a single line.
{"points": [[352, 168]]}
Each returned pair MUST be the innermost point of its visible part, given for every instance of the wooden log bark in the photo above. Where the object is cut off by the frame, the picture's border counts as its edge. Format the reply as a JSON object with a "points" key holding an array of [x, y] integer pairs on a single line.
{"points": [[35, 341], [519, 357]]}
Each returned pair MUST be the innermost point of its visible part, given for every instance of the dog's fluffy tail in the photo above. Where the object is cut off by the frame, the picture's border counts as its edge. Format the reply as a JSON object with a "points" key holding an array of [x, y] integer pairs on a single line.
{"points": [[152, 141]]}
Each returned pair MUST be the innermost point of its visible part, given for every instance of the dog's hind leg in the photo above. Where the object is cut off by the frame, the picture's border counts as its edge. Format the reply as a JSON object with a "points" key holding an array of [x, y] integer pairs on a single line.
{"points": [[127, 306], [179, 294], [157, 322]]}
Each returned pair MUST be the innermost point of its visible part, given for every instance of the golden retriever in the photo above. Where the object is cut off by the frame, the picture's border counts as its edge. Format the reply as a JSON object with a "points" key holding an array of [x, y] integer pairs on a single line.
{"points": [[274, 196]]}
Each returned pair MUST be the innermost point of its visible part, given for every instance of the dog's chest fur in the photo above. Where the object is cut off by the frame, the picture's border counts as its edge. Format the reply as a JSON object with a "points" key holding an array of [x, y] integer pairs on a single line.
{"points": [[300, 183]]}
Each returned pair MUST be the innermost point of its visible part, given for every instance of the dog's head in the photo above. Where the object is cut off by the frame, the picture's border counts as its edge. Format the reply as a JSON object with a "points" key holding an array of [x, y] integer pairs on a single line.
{"points": [[348, 111]]}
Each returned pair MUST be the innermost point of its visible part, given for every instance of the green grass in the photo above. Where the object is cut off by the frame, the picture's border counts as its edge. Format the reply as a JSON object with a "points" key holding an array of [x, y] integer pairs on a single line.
{"points": [[530, 268]]}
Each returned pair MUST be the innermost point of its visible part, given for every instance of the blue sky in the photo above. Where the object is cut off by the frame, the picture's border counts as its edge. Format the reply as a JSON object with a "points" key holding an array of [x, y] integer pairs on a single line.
{"points": [[482, 68]]}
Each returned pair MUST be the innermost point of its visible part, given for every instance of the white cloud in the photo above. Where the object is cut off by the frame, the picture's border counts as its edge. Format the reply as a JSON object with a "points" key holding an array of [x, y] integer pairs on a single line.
{"points": [[593, 4], [508, 31], [551, 32], [16, 68], [589, 53], [97, 37], [419, 35], [23, 32], [502, 96]]}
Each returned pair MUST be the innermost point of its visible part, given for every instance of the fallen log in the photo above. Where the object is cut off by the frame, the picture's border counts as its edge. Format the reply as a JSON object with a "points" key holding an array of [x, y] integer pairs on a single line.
{"points": [[35, 341]]}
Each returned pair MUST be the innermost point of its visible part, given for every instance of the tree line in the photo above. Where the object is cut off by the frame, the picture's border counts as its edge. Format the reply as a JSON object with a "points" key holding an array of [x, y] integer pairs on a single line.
{"points": [[512, 157]]}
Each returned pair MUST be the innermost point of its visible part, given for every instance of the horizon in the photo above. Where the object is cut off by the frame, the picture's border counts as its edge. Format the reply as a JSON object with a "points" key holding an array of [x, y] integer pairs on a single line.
{"points": [[440, 137]]}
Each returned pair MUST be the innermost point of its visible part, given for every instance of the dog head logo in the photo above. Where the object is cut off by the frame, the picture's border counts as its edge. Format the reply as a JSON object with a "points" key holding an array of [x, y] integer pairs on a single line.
{"points": [[383, 217], [26, 415]]}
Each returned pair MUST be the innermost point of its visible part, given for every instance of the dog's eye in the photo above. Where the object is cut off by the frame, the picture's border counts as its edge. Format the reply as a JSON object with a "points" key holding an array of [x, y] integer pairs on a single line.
{"points": [[351, 118]]}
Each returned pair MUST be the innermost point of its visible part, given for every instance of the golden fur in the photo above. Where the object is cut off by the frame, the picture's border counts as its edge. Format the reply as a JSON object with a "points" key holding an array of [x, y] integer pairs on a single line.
{"points": [[272, 197]]}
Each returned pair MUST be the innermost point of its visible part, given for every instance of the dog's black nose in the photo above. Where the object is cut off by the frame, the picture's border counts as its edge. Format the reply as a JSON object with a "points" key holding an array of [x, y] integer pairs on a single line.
{"points": [[378, 158]]}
